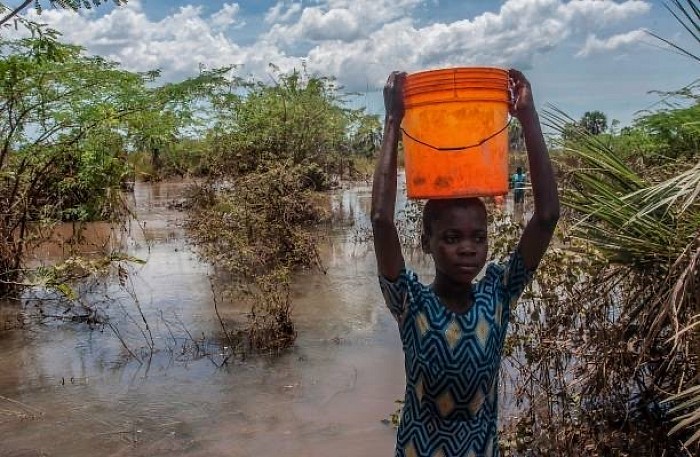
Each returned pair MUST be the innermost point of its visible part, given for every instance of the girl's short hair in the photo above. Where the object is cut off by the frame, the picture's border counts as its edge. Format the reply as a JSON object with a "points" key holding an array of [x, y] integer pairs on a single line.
{"points": [[433, 209]]}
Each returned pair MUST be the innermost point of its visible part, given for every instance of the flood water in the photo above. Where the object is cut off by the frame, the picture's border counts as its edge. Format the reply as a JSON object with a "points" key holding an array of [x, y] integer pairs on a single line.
{"points": [[67, 390]]}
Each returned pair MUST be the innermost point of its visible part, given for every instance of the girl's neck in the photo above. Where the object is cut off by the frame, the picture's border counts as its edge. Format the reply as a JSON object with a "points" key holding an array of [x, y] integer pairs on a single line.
{"points": [[457, 297]]}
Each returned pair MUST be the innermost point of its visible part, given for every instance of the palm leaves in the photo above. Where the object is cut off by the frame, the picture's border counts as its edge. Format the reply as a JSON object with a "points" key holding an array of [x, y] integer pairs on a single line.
{"points": [[688, 15], [684, 190], [648, 228], [609, 194], [689, 408]]}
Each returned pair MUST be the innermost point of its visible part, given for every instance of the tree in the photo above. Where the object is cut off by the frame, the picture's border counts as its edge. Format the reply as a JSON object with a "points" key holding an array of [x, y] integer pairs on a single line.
{"points": [[168, 113], [63, 127], [594, 122], [675, 130], [300, 119]]}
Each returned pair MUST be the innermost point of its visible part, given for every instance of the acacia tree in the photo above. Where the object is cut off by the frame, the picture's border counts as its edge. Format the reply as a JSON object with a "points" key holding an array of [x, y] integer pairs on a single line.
{"points": [[169, 113], [594, 122], [274, 146], [300, 119], [53, 103], [66, 122], [675, 130]]}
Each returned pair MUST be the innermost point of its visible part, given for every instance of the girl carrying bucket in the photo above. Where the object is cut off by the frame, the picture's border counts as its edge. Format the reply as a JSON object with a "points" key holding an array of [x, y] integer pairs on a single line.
{"points": [[453, 330]]}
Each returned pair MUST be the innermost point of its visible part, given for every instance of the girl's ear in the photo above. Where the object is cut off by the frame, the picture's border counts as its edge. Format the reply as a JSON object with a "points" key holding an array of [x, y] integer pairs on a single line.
{"points": [[425, 242]]}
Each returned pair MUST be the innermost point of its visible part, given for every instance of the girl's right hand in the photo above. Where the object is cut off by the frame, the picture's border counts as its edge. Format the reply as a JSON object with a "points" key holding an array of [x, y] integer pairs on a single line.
{"points": [[522, 103], [393, 96]]}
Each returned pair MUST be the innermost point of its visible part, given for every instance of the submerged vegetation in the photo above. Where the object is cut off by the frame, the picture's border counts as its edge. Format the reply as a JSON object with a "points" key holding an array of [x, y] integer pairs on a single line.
{"points": [[273, 149], [71, 120]]}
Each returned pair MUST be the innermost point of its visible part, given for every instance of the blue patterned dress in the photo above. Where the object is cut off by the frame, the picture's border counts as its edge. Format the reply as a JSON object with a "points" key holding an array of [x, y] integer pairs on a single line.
{"points": [[452, 362]]}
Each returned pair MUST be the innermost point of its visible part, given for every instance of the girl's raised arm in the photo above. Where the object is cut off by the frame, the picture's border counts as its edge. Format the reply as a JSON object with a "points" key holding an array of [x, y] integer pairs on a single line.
{"points": [[539, 230], [387, 247]]}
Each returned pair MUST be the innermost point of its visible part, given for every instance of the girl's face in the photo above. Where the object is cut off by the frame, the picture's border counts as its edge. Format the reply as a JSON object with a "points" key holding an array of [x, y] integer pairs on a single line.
{"points": [[458, 243]]}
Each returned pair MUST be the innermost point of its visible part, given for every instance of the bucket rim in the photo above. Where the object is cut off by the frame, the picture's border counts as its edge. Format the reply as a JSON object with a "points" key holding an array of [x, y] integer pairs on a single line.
{"points": [[457, 84], [462, 69]]}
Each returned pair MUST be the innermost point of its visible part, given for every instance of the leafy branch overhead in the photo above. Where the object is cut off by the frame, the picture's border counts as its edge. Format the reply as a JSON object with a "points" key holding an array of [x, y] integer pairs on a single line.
{"points": [[8, 12]]}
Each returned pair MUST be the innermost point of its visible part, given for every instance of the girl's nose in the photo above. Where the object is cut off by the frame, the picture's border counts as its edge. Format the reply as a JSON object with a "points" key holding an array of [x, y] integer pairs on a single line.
{"points": [[466, 248]]}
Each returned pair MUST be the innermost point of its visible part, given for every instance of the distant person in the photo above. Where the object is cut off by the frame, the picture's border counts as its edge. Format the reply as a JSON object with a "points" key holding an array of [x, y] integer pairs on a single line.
{"points": [[517, 182], [453, 330]]}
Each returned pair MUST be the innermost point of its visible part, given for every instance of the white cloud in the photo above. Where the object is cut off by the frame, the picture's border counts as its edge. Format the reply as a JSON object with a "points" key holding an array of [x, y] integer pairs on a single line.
{"points": [[177, 44], [594, 44], [336, 24], [591, 13], [226, 16], [342, 20], [282, 12], [513, 36], [358, 41]]}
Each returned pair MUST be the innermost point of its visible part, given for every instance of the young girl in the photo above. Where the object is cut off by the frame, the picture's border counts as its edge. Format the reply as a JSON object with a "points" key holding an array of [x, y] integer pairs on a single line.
{"points": [[453, 329]]}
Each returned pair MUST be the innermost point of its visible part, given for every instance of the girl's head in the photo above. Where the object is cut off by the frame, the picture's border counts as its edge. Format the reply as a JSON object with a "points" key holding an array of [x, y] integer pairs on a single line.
{"points": [[455, 234]]}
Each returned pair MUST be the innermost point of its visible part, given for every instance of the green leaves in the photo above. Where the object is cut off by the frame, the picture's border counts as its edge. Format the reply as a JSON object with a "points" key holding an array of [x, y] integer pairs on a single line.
{"points": [[675, 130], [594, 122], [300, 118], [643, 216]]}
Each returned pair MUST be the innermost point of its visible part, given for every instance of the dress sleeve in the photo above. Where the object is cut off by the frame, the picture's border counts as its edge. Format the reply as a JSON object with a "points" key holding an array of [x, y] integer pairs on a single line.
{"points": [[398, 294], [516, 276], [510, 277]]}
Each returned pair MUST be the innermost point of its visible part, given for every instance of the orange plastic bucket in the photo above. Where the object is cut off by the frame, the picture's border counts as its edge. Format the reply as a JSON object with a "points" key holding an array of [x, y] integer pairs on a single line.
{"points": [[455, 132]]}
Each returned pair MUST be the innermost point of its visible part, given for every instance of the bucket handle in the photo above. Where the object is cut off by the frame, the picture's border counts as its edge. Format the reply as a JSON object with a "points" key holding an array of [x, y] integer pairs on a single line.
{"points": [[458, 148]]}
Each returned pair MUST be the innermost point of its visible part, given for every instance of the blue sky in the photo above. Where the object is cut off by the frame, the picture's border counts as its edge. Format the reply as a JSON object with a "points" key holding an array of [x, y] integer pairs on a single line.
{"points": [[580, 55]]}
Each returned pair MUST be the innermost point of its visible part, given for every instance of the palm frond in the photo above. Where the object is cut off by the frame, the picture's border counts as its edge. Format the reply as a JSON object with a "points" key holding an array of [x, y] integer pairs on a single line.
{"points": [[687, 403], [688, 16], [609, 197], [683, 188]]}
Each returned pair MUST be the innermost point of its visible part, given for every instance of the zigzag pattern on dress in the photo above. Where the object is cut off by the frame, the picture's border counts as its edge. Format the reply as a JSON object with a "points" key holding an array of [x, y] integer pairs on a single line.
{"points": [[452, 362]]}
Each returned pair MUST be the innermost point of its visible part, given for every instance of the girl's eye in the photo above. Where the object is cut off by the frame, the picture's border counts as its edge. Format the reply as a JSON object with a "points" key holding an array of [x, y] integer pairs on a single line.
{"points": [[451, 239], [480, 239]]}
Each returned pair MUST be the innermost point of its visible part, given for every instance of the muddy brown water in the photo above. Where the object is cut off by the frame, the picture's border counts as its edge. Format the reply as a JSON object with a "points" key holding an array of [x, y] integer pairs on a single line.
{"points": [[67, 390]]}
